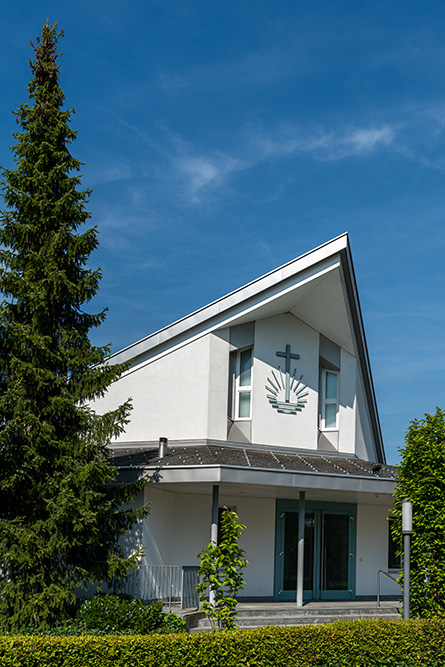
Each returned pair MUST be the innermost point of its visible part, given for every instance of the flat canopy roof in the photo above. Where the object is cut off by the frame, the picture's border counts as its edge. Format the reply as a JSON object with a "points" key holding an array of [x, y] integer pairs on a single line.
{"points": [[204, 464]]}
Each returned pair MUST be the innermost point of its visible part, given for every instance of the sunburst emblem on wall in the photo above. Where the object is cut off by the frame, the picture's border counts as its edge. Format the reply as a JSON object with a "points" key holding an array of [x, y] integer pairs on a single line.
{"points": [[283, 385]]}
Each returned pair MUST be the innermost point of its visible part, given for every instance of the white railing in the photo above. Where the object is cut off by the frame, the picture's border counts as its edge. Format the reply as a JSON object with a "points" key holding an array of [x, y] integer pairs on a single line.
{"points": [[174, 585]]}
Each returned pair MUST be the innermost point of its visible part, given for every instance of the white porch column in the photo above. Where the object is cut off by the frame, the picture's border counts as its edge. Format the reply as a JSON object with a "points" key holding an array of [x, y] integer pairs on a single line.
{"points": [[214, 528], [300, 550]]}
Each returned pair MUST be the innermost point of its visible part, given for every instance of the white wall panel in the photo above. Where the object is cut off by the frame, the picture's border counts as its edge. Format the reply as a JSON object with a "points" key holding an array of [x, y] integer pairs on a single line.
{"points": [[268, 425], [372, 550]]}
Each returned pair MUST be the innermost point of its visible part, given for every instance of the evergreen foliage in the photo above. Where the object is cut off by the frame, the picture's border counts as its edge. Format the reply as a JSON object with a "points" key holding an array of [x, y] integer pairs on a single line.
{"points": [[220, 570], [422, 479], [60, 511]]}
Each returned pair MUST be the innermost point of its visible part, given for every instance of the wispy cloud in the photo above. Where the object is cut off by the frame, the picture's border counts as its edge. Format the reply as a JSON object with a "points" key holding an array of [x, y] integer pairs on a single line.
{"points": [[421, 136], [322, 145], [104, 170], [199, 173], [358, 141], [117, 237], [156, 264], [203, 173]]}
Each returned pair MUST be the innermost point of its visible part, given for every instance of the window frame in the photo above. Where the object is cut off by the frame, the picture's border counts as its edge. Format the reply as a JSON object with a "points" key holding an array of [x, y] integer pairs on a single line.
{"points": [[394, 560], [329, 401], [243, 389]]}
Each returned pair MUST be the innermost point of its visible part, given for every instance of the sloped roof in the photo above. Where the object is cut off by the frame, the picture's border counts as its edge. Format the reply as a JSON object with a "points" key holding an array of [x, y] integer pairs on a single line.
{"points": [[276, 292], [318, 287]]}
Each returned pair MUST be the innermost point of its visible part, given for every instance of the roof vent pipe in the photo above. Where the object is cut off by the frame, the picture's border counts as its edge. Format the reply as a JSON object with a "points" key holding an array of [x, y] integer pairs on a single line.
{"points": [[163, 444]]}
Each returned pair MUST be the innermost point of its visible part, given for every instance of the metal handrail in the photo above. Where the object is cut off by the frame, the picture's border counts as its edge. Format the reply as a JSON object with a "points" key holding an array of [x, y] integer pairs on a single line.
{"points": [[173, 584], [378, 583]]}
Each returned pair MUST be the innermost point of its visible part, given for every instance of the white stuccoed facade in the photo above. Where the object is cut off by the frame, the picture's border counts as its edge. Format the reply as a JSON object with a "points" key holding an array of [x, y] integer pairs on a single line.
{"points": [[185, 385]]}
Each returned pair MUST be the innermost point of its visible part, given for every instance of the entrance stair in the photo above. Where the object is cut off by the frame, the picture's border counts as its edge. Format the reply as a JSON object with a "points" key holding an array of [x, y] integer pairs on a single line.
{"points": [[255, 615]]}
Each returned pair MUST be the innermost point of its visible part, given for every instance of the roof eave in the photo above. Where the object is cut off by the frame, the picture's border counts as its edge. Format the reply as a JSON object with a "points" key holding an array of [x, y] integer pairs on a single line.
{"points": [[228, 302], [362, 350]]}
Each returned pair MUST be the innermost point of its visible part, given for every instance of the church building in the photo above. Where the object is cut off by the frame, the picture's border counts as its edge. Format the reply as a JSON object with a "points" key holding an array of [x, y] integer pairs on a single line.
{"points": [[263, 401]]}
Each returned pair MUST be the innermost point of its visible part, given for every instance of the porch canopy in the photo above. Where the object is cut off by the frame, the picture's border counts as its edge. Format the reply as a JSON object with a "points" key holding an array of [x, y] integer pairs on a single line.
{"points": [[195, 466], [209, 468]]}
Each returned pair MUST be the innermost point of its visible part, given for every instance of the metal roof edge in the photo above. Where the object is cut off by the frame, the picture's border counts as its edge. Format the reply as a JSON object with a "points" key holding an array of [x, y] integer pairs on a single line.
{"points": [[281, 273], [250, 446], [362, 351], [228, 466]]}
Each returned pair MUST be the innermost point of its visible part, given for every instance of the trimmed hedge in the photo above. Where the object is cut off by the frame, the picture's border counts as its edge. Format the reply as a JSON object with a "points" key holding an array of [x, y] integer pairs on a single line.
{"points": [[353, 643]]}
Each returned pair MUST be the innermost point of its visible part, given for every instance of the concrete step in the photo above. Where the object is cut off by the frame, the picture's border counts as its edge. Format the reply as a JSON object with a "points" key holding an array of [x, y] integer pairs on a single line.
{"points": [[288, 622], [253, 622], [292, 616], [356, 611]]}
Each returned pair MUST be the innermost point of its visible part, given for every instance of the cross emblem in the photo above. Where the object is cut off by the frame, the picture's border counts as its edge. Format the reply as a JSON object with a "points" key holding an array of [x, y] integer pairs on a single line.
{"points": [[288, 356]]}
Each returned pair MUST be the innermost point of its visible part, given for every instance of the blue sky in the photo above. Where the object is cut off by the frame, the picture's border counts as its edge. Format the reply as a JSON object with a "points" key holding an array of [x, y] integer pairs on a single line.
{"points": [[225, 138]]}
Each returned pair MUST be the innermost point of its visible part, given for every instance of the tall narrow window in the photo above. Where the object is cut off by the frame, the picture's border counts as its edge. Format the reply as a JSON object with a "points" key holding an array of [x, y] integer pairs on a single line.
{"points": [[393, 548], [329, 407], [243, 395]]}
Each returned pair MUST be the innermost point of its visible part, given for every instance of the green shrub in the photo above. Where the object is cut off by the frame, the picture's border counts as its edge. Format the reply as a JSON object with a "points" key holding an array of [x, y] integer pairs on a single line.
{"points": [[220, 573], [111, 615], [341, 644], [119, 614], [420, 478], [172, 623]]}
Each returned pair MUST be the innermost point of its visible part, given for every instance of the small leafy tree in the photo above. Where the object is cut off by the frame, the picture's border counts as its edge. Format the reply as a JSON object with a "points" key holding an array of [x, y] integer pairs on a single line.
{"points": [[421, 478], [221, 571], [61, 513]]}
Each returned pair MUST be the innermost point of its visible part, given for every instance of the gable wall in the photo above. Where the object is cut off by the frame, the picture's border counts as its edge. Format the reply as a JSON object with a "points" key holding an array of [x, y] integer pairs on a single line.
{"points": [[268, 425], [183, 395], [347, 407], [365, 448], [170, 395], [299, 430], [218, 385]]}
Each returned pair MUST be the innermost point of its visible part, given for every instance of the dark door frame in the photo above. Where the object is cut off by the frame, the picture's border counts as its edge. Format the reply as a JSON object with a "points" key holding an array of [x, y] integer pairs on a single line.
{"points": [[318, 508]]}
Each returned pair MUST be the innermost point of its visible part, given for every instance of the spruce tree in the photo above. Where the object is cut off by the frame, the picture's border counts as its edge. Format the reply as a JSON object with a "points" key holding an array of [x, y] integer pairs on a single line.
{"points": [[61, 513]]}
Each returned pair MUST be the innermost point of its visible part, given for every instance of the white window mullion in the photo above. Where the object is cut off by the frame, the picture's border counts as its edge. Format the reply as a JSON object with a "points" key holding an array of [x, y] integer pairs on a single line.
{"points": [[330, 402], [243, 394]]}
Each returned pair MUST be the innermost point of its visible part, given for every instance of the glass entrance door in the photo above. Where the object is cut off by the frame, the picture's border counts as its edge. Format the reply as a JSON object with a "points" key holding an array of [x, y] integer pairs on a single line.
{"points": [[289, 554], [334, 555], [329, 551]]}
